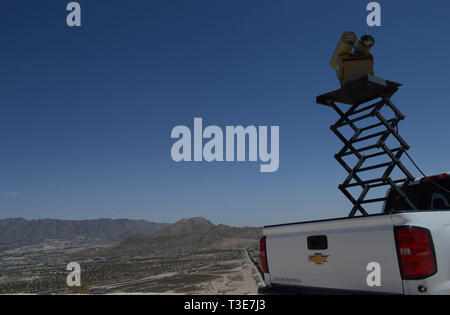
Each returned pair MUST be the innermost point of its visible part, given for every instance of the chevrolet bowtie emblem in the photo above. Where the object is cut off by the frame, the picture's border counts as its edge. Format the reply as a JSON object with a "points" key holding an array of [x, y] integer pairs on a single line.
{"points": [[318, 258]]}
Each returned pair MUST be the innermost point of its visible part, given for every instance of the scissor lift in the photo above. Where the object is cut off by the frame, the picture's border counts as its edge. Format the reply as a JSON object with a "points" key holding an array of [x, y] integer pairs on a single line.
{"points": [[366, 98]]}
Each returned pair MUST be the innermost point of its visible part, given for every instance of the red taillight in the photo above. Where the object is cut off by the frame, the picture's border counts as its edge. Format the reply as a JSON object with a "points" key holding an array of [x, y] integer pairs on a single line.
{"points": [[263, 255], [415, 252], [434, 177]]}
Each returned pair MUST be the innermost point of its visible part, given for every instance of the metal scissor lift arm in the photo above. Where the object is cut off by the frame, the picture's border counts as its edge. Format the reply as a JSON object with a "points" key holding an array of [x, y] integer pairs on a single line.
{"points": [[357, 94]]}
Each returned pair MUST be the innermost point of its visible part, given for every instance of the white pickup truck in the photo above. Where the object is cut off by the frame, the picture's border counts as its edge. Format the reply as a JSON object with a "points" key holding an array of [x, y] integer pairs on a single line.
{"points": [[410, 248]]}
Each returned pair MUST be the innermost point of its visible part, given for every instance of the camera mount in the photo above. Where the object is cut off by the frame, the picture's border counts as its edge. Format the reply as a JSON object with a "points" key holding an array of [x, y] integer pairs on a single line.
{"points": [[357, 118]]}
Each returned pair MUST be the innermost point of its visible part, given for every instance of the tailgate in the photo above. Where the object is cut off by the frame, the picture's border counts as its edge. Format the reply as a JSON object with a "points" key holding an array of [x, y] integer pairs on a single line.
{"points": [[337, 255]]}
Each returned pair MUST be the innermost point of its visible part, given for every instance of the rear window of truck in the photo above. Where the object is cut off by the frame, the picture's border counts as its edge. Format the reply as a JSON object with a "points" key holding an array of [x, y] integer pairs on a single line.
{"points": [[425, 196]]}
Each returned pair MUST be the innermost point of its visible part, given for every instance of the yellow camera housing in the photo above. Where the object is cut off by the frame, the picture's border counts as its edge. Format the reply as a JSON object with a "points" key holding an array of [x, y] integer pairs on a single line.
{"points": [[352, 60]]}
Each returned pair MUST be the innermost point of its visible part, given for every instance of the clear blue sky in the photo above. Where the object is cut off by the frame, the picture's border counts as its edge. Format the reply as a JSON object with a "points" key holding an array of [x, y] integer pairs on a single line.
{"points": [[86, 113]]}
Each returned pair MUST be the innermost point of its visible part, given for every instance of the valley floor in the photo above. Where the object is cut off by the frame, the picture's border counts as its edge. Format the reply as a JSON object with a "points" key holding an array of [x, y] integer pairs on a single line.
{"points": [[41, 271]]}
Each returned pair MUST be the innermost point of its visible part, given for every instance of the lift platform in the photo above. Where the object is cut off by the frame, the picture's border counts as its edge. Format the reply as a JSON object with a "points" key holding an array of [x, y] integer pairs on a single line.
{"points": [[364, 100]]}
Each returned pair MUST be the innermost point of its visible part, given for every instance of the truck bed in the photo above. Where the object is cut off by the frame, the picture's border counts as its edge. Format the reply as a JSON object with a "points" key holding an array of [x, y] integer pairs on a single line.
{"points": [[334, 254]]}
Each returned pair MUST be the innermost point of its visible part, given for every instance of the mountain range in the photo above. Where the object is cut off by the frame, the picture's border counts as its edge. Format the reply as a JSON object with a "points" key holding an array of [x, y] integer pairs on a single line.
{"points": [[189, 235], [18, 231], [134, 237]]}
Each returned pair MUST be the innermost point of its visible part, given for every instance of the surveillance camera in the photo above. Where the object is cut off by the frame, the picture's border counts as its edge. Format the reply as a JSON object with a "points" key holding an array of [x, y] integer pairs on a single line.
{"points": [[352, 59], [344, 46]]}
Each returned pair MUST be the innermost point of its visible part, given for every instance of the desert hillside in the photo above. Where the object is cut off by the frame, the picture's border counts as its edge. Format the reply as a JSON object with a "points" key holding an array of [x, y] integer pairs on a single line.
{"points": [[189, 235]]}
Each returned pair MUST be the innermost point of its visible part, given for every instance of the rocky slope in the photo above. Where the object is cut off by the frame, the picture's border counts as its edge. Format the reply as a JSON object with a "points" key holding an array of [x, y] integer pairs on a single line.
{"points": [[189, 235]]}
